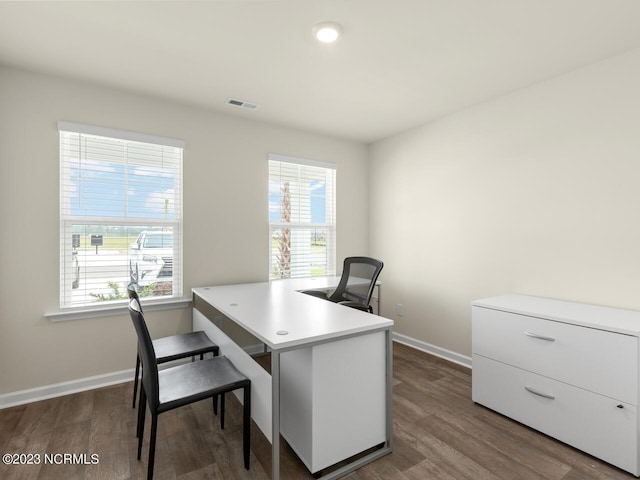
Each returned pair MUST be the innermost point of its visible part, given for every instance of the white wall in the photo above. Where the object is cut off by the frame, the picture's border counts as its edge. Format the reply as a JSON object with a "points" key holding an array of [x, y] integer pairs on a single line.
{"points": [[225, 215], [536, 192]]}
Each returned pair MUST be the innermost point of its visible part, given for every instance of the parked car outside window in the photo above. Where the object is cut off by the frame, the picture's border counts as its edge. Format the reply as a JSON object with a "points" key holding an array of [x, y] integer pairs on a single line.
{"points": [[151, 258]]}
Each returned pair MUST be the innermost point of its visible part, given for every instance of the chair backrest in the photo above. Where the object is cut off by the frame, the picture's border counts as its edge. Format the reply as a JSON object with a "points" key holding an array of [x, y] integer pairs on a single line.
{"points": [[133, 273], [359, 276], [133, 294], [147, 354]]}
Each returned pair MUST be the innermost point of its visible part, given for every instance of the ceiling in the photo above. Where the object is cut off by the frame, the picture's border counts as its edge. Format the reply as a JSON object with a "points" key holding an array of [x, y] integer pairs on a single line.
{"points": [[398, 64]]}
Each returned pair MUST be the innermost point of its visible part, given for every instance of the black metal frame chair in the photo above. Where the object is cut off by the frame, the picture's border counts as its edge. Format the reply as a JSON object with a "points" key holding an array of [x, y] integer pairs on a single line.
{"points": [[174, 347], [354, 294], [178, 386]]}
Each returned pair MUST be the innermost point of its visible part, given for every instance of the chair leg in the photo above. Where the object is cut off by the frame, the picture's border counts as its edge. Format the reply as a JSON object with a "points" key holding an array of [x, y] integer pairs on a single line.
{"points": [[135, 381], [142, 409], [152, 445], [142, 406], [222, 411], [215, 397], [246, 425]]}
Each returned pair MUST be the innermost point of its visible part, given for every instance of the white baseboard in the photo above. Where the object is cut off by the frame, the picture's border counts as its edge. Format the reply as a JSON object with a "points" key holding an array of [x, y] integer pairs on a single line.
{"points": [[30, 395], [433, 350], [21, 397], [64, 388]]}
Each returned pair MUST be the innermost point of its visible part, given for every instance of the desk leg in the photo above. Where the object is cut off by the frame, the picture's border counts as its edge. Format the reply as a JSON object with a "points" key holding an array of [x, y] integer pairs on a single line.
{"points": [[389, 386], [275, 415]]}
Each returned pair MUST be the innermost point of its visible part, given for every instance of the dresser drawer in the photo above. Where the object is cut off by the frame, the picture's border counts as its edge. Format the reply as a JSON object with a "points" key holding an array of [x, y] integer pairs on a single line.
{"points": [[595, 360], [596, 424]]}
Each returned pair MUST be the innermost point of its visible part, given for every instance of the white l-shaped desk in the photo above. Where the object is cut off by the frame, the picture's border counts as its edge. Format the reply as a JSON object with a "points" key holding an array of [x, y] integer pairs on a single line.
{"points": [[330, 389]]}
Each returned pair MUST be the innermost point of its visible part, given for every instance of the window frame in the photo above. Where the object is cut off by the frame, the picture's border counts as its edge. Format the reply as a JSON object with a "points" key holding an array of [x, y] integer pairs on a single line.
{"points": [[68, 310], [329, 225]]}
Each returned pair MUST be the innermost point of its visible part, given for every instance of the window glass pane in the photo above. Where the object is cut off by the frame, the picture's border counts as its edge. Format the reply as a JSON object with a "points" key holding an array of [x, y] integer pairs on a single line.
{"points": [[318, 201], [299, 252], [105, 259]]}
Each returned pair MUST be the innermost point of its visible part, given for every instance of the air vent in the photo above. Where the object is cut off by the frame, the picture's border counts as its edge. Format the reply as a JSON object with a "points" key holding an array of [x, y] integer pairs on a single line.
{"points": [[242, 103]]}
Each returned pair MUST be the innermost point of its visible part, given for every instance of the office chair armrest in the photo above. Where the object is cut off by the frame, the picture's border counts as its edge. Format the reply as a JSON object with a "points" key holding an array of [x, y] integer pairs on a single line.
{"points": [[316, 293], [357, 306]]}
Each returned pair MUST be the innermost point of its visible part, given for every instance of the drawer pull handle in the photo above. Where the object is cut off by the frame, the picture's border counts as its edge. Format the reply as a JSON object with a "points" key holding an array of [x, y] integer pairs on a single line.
{"points": [[541, 337], [539, 393]]}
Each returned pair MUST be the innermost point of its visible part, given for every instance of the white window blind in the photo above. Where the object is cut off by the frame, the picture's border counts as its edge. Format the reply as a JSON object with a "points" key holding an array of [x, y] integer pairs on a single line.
{"points": [[120, 215], [302, 218]]}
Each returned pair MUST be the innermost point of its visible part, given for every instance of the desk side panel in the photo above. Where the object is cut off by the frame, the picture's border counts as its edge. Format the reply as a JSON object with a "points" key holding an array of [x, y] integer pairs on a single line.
{"points": [[260, 379], [333, 399], [296, 402], [349, 414]]}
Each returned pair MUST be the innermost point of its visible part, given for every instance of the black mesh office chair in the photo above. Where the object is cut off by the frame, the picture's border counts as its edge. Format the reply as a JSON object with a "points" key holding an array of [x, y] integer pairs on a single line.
{"points": [[174, 347], [182, 385], [359, 276]]}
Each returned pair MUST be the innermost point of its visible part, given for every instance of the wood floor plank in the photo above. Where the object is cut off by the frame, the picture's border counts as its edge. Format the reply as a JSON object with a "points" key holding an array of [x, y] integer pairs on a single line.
{"points": [[439, 434], [549, 467], [75, 408], [109, 433], [67, 439], [210, 472], [444, 461], [10, 419], [385, 471], [37, 444], [428, 469], [405, 455], [483, 454], [591, 467], [39, 417]]}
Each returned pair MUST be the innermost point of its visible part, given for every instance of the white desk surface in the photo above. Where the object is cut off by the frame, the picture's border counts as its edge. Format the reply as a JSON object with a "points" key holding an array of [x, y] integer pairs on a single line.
{"points": [[617, 320], [264, 309]]}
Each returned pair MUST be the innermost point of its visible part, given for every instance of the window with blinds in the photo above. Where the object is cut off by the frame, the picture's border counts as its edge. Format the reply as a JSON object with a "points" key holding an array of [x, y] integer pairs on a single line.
{"points": [[120, 215], [302, 218]]}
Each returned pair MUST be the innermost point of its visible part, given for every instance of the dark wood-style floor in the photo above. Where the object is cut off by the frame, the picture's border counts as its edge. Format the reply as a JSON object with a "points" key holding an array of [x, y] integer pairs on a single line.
{"points": [[439, 433]]}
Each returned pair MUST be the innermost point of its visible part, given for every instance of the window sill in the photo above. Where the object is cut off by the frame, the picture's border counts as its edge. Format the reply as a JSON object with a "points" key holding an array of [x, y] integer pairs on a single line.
{"points": [[95, 312]]}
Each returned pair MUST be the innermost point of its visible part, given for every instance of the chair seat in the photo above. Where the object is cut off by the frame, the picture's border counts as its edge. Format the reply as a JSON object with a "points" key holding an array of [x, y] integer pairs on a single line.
{"points": [[316, 293], [192, 382], [181, 346], [356, 305]]}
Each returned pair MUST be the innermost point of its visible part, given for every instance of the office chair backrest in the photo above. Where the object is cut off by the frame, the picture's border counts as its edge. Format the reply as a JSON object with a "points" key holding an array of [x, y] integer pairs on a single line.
{"points": [[359, 276], [147, 354]]}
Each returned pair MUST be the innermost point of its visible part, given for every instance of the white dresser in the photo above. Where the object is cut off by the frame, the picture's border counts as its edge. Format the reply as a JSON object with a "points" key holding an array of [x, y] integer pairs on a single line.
{"points": [[569, 370]]}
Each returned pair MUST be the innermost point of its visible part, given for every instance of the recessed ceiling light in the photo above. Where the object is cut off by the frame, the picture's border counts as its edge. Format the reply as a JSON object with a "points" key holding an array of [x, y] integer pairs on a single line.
{"points": [[327, 32]]}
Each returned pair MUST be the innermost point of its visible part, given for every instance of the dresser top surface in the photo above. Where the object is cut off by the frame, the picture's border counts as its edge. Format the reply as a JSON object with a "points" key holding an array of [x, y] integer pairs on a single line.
{"points": [[617, 320]]}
